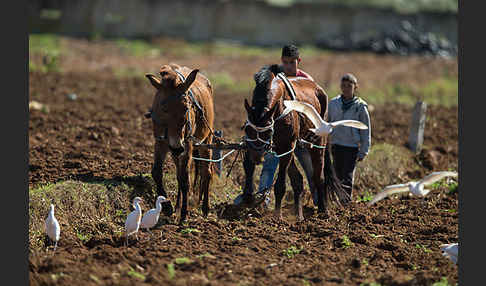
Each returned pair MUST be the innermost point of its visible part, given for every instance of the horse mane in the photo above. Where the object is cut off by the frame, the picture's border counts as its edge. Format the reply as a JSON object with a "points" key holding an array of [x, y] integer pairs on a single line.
{"points": [[262, 79]]}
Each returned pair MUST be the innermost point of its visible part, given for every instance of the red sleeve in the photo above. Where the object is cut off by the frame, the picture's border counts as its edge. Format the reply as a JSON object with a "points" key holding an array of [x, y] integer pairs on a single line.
{"points": [[301, 73]]}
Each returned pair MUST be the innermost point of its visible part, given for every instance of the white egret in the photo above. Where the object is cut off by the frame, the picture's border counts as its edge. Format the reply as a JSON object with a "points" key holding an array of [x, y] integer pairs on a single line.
{"points": [[52, 227], [414, 187], [321, 127], [450, 250], [151, 217], [132, 223]]}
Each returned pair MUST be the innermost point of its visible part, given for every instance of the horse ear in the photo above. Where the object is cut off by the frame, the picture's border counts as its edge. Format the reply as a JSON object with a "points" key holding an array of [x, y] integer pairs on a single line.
{"points": [[247, 106], [189, 80], [153, 80]]}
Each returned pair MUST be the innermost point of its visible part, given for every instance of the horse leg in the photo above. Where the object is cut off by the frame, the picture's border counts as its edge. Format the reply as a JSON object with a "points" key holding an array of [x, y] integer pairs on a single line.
{"points": [[178, 201], [297, 182], [305, 160], [183, 179], [160, 153], [279, 188], [205, 180], [249, 168], [196, 185], [317, 177]]}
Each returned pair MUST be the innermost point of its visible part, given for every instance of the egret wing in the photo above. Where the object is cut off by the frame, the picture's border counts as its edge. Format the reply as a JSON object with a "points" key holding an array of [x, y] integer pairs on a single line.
{"points": [[436, 176], [350, 123], [307, 109], [389, 190]]}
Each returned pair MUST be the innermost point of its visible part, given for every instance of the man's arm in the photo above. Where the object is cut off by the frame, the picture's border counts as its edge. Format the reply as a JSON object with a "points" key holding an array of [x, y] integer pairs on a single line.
{"points": [[365, 134]]}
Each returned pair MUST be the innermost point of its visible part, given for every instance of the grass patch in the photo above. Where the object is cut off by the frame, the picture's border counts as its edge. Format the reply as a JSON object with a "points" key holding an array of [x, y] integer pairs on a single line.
{"points": [[291, 251], [189, 230], [95, 279], [423, 247], [138, 48], [443, 282], [84, 209], [370, 284], [443, 91], [366, 197], [207, 254], [44, 43], [452, 188], [224, 81], [182, 260], [345, 242], [383, 156], [171, 270], [129, 72], [84, 237], [49, 47], [135, 274]]}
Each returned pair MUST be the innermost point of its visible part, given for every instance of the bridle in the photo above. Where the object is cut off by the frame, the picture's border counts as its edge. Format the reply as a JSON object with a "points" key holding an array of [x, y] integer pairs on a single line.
{"points": [[267, 144]]}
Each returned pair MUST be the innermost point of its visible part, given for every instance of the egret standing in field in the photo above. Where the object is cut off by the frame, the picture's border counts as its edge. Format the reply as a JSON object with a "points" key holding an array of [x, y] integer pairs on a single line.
{"points": [[132, 223], [151, 217], [450, 250], [415, 187], [322, 127], [52, 227]]}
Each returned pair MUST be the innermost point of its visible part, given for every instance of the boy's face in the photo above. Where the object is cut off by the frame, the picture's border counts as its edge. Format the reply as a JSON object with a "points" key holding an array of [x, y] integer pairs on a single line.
{"points": [[348, 88], [290, 65]]}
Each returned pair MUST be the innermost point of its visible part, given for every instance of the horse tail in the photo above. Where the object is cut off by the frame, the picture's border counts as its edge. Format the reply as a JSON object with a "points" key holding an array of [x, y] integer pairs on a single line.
{"points": [[333, 186]]}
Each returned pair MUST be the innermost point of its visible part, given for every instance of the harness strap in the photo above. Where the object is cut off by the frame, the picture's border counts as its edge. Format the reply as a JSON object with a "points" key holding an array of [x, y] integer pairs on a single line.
{"points": [[191, 95], [283, 154], [288, 85]]}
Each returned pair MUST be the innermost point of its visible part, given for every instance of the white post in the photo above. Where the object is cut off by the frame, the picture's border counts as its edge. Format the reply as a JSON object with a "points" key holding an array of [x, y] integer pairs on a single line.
{"points": [[416, 136]]}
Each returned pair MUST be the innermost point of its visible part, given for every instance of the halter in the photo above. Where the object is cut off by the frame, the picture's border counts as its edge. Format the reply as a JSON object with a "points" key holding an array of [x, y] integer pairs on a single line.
{"points": [[266, 144]]}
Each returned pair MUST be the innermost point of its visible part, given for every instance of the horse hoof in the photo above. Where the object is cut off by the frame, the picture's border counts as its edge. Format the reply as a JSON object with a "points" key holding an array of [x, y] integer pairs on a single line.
{"points": [[205, 212]]}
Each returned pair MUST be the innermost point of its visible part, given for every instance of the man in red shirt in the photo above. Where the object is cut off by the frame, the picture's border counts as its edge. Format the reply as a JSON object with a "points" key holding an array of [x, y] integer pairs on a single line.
{"points": [[290, 61]]}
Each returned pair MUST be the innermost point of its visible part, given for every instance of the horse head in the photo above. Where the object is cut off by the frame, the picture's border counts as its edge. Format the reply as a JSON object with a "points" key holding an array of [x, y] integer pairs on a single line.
{"points": [[171, 107], [259, 126]]}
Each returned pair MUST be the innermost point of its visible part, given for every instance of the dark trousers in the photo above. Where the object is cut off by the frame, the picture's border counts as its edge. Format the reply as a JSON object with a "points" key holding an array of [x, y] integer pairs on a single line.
{"points": [[344, 162]]}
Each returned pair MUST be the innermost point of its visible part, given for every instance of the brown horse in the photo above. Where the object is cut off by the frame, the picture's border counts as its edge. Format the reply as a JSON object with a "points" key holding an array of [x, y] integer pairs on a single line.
{"points": [[182, 113], [266, 131]]}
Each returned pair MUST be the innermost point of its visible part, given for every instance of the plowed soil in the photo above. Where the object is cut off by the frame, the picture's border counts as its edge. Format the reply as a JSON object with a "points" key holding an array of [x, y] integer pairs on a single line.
{"points": [[103, 134]]}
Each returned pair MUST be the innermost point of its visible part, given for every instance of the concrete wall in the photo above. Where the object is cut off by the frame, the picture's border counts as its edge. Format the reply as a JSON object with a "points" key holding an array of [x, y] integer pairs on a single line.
{"points": [[252, 22]]}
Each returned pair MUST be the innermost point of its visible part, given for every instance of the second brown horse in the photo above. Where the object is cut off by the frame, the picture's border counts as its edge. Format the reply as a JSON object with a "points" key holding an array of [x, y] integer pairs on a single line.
{"points": [[266, 131], [182, 113]]}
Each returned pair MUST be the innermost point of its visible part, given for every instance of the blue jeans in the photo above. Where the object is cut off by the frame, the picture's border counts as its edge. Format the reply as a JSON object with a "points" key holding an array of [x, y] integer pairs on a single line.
{"points": [[270, 165]]}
